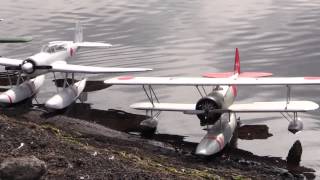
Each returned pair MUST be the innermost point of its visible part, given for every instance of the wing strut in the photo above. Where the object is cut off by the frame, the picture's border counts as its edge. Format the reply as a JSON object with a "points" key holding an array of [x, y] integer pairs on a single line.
{"points": [[150, 93], [288, 94], [203, 89]]}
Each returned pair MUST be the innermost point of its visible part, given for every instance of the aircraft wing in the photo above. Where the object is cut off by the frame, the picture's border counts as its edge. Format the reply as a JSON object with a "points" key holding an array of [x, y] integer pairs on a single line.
{"points": [[200, 81], [10, 62], [15, 39], [62, 67], [255, 107], [92, 44]]}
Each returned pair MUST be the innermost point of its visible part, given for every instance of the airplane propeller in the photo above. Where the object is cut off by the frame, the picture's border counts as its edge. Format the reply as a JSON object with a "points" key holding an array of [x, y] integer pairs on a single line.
{"points": [[28, 66]]}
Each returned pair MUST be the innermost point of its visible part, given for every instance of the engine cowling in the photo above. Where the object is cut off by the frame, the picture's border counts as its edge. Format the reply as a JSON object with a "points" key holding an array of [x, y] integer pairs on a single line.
{"points": [[210, 102]]}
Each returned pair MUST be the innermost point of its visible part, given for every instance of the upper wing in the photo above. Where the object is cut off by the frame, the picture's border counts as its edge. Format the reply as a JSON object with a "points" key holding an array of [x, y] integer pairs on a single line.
{"points": [[192, 81], [278, 106], [92, 44], [10, 62], [61, 67]]}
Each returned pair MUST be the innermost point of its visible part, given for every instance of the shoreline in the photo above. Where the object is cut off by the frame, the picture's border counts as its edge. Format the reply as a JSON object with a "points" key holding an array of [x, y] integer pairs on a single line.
{"points": [[69, 137]]}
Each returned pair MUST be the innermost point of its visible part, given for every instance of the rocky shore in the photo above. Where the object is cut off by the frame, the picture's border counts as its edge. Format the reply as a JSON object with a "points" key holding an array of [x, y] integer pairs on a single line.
{"points": [[83, 143]]}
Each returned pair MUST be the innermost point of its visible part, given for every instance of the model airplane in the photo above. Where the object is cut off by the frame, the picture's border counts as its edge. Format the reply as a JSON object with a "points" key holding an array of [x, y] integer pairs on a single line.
{"points": [[53, 58], [217, 109]]}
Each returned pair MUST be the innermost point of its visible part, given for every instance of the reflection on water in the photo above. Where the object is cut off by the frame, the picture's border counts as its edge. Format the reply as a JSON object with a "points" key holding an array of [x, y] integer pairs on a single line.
{"points": [[185, 38]]}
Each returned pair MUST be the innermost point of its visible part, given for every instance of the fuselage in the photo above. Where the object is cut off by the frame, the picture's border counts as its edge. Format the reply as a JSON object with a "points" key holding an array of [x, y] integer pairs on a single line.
{"points": [[54, 52], [221, 128]]}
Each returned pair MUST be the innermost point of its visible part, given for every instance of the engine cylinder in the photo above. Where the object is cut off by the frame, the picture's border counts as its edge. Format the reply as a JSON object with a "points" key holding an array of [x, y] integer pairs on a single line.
{"points": [[213, 101]]}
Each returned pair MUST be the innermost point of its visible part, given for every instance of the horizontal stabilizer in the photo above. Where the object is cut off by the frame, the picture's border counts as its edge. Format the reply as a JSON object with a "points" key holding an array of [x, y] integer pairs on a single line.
{"points": [[242, 74], [92, 44], [278, 106]]}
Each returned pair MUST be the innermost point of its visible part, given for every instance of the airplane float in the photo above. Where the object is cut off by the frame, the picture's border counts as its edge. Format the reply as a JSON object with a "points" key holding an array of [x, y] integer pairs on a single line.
{"points": [[217, 109], [53, 58]]}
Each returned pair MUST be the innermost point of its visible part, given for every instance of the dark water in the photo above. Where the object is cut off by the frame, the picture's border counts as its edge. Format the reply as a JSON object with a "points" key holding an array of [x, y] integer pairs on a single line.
{"points": [[187, 38]]}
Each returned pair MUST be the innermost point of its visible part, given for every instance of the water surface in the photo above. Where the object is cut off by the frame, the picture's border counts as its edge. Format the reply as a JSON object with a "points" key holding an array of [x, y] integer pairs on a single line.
{"points": [[186, 38]]}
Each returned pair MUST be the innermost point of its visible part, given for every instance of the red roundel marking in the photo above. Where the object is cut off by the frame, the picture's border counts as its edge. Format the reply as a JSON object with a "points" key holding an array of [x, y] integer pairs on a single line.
{"points": [[10, 99], [312, 78], [125, 77]]}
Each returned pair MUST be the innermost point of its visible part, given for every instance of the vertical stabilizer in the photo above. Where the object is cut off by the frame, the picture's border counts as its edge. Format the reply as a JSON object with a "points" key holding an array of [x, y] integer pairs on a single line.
{"points": [[237, 62], [78, 34]]}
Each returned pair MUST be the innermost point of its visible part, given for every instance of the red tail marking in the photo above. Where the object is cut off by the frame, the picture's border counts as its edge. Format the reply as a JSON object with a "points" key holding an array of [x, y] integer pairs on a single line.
{"points": [[237, 62]]}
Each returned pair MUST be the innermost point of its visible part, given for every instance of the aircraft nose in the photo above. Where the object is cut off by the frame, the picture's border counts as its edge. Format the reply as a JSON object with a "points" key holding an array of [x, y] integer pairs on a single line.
{"points": [[27, 67], [5, 98]]}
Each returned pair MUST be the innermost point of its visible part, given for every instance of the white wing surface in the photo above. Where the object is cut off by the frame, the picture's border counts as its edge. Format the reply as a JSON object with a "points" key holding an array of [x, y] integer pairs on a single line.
{"points": [[278, 106], [10, 62], [62, 67], [193, 81]]}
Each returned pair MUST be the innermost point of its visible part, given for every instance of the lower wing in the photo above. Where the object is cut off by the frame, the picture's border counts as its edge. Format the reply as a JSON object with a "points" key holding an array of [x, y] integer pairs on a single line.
{"points": [[69, 68], [194, 81], [277, 106]]}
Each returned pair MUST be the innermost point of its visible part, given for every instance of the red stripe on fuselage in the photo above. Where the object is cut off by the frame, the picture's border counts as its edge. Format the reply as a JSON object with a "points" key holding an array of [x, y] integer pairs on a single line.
{"points": [[10, 99], [234, 90], [219, 140]]}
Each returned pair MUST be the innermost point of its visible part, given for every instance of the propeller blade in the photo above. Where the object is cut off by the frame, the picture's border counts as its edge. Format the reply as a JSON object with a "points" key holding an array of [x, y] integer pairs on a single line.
{"points": [[192, 112], [43, 67], [13, 68]]}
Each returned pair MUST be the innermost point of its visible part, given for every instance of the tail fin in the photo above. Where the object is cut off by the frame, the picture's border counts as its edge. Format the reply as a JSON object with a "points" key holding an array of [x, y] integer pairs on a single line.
{"points": [[78, 33], [237, 62]]}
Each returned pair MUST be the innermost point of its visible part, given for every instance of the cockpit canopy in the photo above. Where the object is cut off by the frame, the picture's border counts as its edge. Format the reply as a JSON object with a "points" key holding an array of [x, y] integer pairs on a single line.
{"points": [[53, 48]]}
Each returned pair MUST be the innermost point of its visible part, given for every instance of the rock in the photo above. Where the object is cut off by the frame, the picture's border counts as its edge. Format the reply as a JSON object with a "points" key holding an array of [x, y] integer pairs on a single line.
{"points": [[294, 155], [24, 168]]}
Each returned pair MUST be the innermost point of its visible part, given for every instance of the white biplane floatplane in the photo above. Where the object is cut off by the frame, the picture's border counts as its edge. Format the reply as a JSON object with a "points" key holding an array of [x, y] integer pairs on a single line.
{"points": [[53, 58], [217, 109]]}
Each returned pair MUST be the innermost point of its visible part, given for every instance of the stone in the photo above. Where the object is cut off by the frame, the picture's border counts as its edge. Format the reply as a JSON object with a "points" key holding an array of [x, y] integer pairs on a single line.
{"points": [[294, 155], [22, 168]]}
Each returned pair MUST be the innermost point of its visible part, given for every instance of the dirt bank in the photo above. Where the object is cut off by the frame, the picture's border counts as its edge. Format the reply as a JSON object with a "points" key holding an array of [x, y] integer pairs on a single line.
{"points": [[77, 144]]}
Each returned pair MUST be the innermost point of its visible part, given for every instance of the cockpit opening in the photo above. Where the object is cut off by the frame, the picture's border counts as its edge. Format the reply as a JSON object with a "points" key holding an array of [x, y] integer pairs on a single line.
{"points": [[53, 48]]}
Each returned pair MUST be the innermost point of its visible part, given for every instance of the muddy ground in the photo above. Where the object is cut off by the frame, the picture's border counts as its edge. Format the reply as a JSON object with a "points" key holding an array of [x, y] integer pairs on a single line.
{"points": [[84, 143]]}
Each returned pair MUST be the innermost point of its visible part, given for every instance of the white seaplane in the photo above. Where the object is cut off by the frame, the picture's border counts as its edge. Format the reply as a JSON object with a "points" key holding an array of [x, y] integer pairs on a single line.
{"points": [[217, 109], [53, 58]]}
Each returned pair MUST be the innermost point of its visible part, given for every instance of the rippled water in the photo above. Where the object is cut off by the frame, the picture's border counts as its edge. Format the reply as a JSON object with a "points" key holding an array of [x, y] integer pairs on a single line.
{"points": [[187, 38]]}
